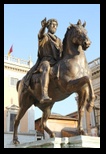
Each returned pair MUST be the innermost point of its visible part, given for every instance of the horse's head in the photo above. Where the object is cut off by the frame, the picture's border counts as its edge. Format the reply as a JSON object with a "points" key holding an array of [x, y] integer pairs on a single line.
{"points": [[77, 35]]}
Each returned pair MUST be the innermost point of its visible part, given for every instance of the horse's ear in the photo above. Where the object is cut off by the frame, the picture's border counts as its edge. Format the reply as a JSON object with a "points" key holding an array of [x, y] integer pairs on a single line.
{"points": [[84, 24], [79, 22], [71, 25]]}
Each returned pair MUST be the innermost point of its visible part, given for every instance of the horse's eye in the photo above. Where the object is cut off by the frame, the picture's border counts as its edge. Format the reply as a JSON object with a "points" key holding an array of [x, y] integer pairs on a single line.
{"points": [[79, 31]]}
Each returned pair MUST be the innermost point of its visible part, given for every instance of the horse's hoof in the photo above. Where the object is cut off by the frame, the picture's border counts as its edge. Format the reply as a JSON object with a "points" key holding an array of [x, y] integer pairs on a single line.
{"points": [[45, 99], [16, 142], [82, 132], [89, 107], [52, 135]]}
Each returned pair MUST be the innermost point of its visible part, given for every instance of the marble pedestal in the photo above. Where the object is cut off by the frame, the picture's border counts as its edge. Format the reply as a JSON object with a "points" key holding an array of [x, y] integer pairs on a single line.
{"points": [[65, 142]]}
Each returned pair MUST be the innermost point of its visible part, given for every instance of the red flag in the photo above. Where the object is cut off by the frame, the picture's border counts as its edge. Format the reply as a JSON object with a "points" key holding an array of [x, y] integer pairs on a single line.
{"points": [[11, 50]]}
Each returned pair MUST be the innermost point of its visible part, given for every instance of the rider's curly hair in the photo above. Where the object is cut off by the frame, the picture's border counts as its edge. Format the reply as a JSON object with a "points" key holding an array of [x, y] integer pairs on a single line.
{"points": [[50, 21]]}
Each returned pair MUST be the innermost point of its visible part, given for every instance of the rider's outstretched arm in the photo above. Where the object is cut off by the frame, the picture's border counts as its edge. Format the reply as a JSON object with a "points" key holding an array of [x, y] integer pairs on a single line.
{"points": [[42, 30]]}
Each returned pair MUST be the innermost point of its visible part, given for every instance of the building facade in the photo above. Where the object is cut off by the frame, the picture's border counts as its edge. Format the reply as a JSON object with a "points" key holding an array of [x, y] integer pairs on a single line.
{"points": [[94, 117], [91, 122], [62, 126], [14, 70]]}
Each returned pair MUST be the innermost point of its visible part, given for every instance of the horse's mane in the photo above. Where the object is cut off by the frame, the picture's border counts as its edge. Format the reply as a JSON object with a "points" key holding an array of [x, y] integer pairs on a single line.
{"points": [[65, 38]]}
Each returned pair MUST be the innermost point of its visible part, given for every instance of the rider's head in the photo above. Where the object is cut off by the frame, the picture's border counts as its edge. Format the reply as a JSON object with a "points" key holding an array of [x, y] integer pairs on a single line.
{"points": [[52, 25]]}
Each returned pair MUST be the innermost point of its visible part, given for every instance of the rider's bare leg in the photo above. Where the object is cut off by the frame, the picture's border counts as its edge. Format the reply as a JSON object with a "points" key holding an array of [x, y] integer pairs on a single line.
{"points": [[45, 68]]}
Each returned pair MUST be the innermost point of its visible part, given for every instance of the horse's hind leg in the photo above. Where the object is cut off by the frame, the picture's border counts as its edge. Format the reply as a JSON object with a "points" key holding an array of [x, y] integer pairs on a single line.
{"points": [[21, 112], [46, 114]]}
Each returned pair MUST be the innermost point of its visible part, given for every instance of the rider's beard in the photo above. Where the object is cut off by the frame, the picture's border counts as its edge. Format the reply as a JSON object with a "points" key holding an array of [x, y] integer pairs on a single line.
{"points": [[53, 30]]}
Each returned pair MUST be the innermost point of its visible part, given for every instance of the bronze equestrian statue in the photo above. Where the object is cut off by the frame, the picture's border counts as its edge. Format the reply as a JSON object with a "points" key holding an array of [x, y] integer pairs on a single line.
{"points": [[70, 74]]}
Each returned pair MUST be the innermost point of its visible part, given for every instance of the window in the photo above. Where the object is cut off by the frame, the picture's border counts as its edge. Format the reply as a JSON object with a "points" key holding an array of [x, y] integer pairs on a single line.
{"points": [[97, 119], [12, 111], [97, 116], [13, 81], [12, 118]]}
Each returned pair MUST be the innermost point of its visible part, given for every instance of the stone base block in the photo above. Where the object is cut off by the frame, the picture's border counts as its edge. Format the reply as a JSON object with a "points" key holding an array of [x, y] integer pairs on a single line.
{"points": [[65, 142]]}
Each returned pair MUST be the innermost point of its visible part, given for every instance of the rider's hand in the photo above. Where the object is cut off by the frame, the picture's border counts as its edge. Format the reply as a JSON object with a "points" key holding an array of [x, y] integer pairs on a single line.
{"points": [[44, 23]]}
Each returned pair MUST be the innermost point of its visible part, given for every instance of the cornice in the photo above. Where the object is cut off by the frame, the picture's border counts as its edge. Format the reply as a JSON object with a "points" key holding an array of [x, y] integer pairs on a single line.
{"points": [[18, 69]]}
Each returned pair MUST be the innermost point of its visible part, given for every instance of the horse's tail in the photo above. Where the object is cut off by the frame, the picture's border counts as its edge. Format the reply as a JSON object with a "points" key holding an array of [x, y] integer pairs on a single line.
{"points": [[17, 84]]}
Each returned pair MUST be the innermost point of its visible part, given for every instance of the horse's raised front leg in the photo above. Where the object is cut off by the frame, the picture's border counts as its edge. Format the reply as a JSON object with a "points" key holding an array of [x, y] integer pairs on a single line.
{"points": [[46, 114], [75, 85]]}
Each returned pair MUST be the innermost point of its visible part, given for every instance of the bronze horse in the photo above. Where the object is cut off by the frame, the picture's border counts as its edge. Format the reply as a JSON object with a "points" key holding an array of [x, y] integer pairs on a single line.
{"points": [[71, 74]]}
